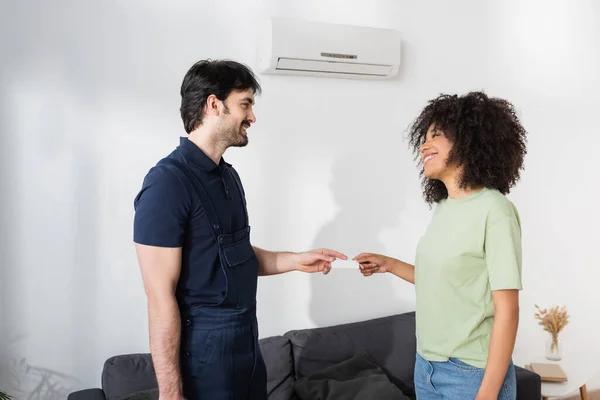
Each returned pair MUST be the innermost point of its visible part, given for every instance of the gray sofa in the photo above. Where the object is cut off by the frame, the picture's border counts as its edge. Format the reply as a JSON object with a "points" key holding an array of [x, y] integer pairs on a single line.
{"points": [[293, 357]]}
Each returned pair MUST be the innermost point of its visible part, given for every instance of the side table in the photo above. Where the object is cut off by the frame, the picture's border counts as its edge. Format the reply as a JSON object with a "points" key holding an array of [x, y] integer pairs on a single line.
{"points": [[578, 366]]}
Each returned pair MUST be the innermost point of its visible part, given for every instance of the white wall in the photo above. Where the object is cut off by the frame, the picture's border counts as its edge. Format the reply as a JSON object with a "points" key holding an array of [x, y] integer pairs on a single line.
{"points": [[89, 95]]}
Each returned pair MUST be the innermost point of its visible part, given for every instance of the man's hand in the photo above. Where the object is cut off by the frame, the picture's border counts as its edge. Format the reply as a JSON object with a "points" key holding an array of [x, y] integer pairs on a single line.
{"points": [[316, 260], [272, 263]]}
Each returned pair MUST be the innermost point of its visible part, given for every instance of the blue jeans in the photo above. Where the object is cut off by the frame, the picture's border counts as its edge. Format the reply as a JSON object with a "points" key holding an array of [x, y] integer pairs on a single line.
{"points": [[455, 379]]}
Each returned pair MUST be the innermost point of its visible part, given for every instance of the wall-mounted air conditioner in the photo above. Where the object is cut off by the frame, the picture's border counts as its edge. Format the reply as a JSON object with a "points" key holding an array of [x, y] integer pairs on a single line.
{"points": [[294, 47]]}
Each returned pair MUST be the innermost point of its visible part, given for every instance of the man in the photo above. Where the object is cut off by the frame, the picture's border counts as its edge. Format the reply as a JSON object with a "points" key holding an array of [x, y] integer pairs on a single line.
{"points": [[193, 245]]}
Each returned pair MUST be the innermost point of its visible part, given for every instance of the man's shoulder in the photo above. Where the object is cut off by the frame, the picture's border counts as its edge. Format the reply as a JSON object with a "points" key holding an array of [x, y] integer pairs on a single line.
{"points": [[162, 169], [161, 173], [161, 180]]}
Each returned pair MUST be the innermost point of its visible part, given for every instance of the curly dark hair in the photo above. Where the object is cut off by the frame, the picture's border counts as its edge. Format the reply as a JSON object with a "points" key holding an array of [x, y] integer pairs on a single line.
{"points": [[488, 139]]}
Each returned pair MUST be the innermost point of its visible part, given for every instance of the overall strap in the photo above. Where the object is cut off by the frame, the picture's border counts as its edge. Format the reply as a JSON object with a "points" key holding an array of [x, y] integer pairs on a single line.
{"points": [[238, 182], [186, 175]]}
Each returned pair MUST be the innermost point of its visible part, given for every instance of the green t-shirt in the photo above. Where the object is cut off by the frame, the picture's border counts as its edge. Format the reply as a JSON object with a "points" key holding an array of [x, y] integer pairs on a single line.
{"points": [[471, 247]]}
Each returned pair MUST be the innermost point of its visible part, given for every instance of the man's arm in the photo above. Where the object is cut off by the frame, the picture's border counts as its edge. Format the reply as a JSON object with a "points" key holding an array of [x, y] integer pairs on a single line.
{"points": [[502, 342], [272, 263], [160, 267]]}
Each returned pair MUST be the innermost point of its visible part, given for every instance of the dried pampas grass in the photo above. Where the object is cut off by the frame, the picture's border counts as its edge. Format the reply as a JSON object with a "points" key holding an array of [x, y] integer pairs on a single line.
{"points": [[553, 321]]}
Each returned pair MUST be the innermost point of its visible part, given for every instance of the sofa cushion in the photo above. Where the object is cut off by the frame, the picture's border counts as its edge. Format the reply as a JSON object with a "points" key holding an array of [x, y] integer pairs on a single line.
{"points": [[277, 353], [529, 384], [151, 394], [359, 378], [87, 394], [389, 340], [127, 374]]}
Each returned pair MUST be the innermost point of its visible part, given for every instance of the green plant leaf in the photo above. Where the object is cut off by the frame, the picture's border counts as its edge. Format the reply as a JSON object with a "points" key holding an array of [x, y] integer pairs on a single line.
{"points": [[4, 396]]}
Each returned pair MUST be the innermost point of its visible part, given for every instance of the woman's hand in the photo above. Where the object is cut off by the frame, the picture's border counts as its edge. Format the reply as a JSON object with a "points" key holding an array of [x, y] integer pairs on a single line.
{"points": [[373, 263]]}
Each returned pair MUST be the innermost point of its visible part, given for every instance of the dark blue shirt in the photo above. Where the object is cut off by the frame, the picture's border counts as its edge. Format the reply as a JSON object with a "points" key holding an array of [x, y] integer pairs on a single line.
{"points": [[166, 215]]}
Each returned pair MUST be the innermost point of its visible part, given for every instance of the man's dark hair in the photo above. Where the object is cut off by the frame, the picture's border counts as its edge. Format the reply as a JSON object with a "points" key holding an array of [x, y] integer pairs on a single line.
{"points": [[488, 140], [206, 77]]}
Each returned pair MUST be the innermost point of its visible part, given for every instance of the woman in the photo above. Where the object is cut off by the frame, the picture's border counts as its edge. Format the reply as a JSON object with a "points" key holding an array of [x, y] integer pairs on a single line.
{"points": [[467, 270]]}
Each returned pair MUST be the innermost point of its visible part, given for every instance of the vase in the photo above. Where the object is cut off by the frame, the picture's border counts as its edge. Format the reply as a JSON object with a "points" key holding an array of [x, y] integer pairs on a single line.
{"points": [[553, 348]]}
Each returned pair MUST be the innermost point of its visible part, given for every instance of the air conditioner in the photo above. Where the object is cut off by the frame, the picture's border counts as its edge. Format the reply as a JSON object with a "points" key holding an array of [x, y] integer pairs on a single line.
{"points": [[293, 47]]}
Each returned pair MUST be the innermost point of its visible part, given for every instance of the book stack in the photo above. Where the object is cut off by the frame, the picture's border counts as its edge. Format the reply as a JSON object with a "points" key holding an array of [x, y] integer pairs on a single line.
{"points": [[548, 372]]}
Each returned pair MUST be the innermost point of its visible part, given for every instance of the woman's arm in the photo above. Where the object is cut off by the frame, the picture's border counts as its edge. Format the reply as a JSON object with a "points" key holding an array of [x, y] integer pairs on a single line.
{"points": [[502, 342], [375, 263], [403, 270]]}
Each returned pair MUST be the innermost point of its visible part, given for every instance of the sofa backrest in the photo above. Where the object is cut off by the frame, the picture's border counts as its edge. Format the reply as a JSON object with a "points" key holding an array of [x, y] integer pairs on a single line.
{"points": [[131, 373], [390, 340], [277, 353], [126, 374]]}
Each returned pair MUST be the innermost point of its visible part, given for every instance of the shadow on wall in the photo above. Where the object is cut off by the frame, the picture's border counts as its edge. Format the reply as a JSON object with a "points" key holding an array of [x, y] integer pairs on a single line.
{"points": [[17, 376], [87, 258], [7, 235], [368, 189], [63, 203], [25, 381]]}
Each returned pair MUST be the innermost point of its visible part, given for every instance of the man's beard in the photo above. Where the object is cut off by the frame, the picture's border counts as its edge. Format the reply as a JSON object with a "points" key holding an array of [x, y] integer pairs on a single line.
{"points": [[231, 136]]}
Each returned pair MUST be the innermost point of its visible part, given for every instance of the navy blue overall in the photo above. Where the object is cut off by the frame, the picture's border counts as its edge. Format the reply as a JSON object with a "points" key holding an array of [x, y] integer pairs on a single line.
{"points": [[220, 356]]}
